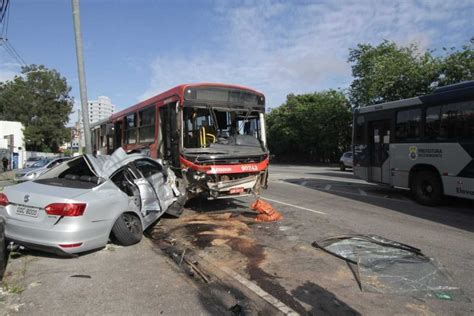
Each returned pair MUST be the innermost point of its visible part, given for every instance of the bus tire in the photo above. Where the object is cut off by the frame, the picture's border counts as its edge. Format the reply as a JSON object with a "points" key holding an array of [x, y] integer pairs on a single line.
{"points": [[427, 188]]}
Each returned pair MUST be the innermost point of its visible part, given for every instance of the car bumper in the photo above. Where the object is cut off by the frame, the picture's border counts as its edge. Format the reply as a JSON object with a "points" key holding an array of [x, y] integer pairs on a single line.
{"points": [[50, 238]]}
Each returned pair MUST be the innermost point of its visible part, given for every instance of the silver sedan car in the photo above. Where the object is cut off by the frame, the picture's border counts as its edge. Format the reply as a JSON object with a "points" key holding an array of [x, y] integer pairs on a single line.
{"points": [[78, 205], [37, 169]]}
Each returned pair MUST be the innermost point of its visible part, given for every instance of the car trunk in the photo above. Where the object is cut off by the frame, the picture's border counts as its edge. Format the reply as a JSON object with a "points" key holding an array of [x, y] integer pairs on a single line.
{"points": [[30, 207]]}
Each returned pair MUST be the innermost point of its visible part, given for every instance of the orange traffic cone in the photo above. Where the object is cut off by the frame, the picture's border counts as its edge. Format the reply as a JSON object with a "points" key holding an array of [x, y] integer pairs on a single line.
{"points": [[267, 212]]}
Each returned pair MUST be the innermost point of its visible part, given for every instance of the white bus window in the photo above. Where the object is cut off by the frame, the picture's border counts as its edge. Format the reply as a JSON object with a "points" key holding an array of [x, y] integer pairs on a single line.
{"points": [[408, 125], [432, 122], [457, 121]]}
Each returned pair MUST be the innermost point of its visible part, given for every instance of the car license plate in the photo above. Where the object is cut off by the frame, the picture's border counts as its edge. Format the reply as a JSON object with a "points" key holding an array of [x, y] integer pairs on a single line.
{"points": [[27, 211], [236, 190]]}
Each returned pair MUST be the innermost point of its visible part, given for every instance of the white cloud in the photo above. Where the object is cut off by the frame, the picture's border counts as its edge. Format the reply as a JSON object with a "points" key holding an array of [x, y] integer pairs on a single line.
{"points": [[279, 48]]}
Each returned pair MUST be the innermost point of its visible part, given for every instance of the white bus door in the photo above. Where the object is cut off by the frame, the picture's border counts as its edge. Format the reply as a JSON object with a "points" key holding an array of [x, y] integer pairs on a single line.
{"points": [[379, 140]]}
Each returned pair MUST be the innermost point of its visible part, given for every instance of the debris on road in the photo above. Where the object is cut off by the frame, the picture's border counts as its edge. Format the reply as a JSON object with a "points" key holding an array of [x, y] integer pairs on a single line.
{"points": [[267, 212], [387, 266]]}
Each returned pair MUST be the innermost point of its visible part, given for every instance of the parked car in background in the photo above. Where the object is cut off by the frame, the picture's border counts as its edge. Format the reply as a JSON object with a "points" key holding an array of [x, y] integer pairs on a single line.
{"points": [[79, 204], [31, 161], [346, 161], [37, 169]]}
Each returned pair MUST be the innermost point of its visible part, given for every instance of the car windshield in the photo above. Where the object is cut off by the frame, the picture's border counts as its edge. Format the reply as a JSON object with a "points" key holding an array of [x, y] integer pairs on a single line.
{"points": [[40, 163], [206, 126]]}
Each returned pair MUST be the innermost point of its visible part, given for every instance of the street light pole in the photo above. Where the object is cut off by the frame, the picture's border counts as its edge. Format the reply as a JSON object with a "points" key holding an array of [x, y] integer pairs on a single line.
{"points": [[82, 76]]}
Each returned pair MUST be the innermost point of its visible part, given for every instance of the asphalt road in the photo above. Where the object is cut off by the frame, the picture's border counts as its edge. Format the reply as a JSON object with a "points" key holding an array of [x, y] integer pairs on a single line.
{"points": [[316, 202], [322, 201]]}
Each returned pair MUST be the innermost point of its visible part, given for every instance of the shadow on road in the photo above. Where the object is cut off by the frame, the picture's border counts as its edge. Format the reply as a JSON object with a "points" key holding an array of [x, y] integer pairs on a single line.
{"points": [[322, 301], [459, 214], [227, 205], [341, 174]]}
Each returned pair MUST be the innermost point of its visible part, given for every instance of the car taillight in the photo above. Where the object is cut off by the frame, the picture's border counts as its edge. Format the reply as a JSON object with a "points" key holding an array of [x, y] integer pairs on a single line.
{"points": [[70, 245], [66, 209], [3, 199]]}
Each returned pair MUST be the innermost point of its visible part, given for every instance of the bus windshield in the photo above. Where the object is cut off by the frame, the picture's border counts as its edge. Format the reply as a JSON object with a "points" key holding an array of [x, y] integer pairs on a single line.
{"points": [[203, 127]]}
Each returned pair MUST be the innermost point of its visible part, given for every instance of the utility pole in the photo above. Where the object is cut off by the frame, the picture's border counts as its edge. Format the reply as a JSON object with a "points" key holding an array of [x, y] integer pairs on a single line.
{"points": [[82, 75]]}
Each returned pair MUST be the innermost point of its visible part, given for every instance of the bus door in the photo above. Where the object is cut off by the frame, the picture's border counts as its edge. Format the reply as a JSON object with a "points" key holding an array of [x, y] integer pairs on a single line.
{"points": [[379, 140], [168, 146], [118, 134]]}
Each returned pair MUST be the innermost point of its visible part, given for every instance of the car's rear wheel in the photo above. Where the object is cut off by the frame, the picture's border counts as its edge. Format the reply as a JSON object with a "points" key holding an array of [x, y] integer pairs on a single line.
{"points": [[128, 229], [342, 167]]}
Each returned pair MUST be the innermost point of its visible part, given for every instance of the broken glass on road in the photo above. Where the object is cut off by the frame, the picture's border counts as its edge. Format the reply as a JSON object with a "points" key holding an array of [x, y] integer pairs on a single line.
{"points": [[390, 267]]}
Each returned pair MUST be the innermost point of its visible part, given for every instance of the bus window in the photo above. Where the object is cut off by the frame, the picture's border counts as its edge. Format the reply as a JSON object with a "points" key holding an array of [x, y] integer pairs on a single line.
{"points": [[118, 134], [359, 130], [407, 127], [457, 121], [432, 122], [131, 129], [146, 132]]}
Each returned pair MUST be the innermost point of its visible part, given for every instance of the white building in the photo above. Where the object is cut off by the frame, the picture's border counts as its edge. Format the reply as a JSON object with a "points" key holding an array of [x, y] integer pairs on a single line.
{"points": [[99, 109], [12, 143]]}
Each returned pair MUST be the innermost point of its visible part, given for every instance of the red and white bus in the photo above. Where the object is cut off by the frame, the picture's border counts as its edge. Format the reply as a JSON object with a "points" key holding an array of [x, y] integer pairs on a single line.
{"points": [[212, 135]]}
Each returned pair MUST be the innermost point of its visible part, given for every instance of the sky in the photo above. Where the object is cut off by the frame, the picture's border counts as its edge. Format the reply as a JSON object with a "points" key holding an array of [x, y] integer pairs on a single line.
{"points": [[138, 48]]}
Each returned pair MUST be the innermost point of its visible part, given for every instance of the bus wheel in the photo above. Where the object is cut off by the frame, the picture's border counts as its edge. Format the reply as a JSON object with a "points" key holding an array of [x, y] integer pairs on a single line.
{"points": [[427, 188], [342, 167]]}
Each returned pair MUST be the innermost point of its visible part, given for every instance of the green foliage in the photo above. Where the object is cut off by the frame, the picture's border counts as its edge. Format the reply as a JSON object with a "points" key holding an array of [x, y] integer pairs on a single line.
{"points": [[457, 65], [310, 127], [388, 72], [38, 98]]}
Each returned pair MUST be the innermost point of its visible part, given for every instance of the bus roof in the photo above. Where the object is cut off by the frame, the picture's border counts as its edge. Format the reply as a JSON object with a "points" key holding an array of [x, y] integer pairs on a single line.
{"points": [[177, 91], [455, 91]]}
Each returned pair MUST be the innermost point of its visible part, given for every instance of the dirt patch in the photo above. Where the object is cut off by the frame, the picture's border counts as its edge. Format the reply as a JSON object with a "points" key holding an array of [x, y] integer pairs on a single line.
{"points": [[230, 242]]}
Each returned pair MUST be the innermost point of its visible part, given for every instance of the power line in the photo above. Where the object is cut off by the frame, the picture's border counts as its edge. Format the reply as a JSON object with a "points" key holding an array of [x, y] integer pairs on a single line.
{"points": [[3, 9], [4, 18], [12, 51]]}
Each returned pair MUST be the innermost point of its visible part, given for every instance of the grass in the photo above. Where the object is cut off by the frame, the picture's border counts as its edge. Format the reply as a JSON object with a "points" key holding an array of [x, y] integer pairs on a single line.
{"points": [[12, 288]]}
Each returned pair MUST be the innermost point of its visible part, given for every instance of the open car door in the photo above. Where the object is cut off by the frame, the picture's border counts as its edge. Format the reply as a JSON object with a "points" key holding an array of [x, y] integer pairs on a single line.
{"points": [[163, 183]]}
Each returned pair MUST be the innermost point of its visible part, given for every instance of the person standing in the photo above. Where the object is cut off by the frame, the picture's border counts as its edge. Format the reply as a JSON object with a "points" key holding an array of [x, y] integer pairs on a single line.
{"points": [[5, 163]]}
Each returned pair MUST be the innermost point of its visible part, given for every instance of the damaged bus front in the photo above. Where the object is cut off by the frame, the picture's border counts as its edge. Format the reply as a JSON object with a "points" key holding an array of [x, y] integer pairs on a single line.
{"points": [[223, 145]]}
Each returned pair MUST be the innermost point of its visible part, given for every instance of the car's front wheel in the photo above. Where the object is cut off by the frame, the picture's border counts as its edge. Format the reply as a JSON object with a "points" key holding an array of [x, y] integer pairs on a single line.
{"points": [[128, 229], [342, 166]]}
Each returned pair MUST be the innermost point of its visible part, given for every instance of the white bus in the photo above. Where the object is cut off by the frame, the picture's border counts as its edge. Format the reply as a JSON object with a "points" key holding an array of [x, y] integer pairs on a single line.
{"points": [[425, 144]]}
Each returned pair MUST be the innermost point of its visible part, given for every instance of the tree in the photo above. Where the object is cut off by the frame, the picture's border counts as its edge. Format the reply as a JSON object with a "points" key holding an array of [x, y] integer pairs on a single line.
{"points": [[310, 127], [38, 98], [457, 66], [388, 72]]}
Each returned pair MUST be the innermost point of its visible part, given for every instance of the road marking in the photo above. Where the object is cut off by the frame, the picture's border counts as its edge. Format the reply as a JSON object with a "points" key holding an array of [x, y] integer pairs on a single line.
{"points": [[295, 206], [396, 199], [327, 187], [282, 307], [362, 192]]}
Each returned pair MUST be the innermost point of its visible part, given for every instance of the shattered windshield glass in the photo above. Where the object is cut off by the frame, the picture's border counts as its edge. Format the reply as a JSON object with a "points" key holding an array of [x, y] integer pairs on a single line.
{"points": [[386, 266], [206, 126]]}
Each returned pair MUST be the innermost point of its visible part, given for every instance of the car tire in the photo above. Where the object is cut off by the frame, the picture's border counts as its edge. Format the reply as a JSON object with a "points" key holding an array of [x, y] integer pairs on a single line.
{"points": [[342, 167], [427, 188], [128, 229]]}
